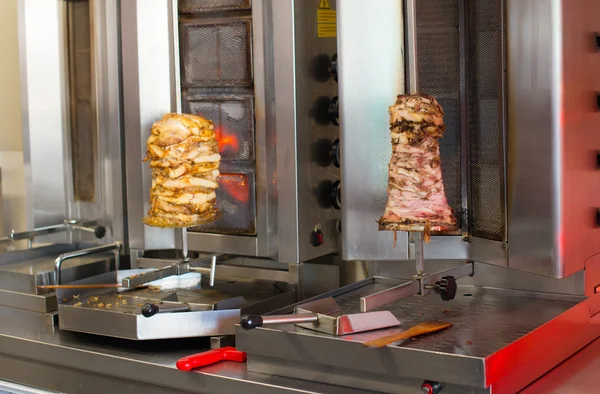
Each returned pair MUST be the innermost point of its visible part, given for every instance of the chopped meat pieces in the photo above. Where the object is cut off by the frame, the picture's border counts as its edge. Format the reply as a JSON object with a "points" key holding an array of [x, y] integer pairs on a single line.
{"points": [[184, 158], [416, 197]]}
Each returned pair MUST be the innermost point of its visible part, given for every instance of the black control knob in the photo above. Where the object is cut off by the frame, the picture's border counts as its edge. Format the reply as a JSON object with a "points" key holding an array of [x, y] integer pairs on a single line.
{"points": [[446, 288], [333, 68], [100, 232], [430, 387], [149, 310], [248, 322], [335, 153], [336, 195], [334, 111]]}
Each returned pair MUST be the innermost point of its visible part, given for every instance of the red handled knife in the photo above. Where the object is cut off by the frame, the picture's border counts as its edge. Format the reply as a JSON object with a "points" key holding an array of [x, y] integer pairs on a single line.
{"points": [[211, 357]]}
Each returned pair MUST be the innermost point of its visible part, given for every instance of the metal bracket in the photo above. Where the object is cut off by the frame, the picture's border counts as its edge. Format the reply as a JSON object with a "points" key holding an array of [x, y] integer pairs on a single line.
{"points": [[115, 247], [67, 225], [418, 286], [178, 268]]}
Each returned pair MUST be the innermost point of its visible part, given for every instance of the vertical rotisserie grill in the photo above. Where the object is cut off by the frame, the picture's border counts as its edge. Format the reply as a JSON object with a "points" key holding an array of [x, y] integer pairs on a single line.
{"points": [[217, 83]]}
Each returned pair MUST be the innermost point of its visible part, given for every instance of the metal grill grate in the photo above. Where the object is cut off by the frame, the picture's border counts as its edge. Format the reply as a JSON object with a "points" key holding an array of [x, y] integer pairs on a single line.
{"points": [[216, 53], [488, 320], [234, 124], [438, 75], [485, 106], [236, 204], [194, 6]]}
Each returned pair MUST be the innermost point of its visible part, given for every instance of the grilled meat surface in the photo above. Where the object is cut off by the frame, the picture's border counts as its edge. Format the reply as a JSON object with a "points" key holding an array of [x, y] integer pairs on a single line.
{"points": [[184, 158], [416, 197]]}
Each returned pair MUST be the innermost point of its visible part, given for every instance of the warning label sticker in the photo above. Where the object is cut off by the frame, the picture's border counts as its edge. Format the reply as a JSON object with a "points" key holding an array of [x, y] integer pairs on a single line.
{"points": [[324, 5], [326, 20]]}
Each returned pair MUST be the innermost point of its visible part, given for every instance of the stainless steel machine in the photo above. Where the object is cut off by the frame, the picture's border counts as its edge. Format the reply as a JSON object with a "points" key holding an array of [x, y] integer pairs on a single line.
{"points": [[279, 191], [519, 172], [298, 91]]}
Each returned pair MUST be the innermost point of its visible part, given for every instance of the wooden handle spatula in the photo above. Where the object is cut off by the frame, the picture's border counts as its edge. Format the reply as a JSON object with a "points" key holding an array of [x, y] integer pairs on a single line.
{"points": [[419, 329]]}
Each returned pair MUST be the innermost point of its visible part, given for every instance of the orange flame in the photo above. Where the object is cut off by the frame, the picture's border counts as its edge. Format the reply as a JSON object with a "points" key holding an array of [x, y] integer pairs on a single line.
{"points": [[236, 186], [227, 142]]}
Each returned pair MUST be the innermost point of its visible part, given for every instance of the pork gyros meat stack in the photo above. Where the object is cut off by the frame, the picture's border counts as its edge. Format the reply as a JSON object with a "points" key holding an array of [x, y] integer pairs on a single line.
{"points": [[416, 197], [184, 159]]}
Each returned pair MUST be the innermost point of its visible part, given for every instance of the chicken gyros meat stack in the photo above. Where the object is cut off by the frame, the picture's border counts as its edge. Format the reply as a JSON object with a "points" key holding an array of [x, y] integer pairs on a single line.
{"points": [[416, 197], [184, 158]]}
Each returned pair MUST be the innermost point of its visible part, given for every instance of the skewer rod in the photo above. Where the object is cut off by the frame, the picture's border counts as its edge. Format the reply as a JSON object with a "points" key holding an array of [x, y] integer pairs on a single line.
{"points": [[184, 241], [419, 252]]}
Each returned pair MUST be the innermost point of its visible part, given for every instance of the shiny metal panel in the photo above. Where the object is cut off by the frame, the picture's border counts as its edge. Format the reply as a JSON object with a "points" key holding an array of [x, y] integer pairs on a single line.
{"points": [[47, 142], [373, 383], [491, 252], [138, 327], [42, 303], [371, 74], [442, 248], [534, 108], [315, 174], [492, 276], [284, 77], [264, 129], [109, 207], [387, 296], [149, 88], [553, 185], [43, 96]]}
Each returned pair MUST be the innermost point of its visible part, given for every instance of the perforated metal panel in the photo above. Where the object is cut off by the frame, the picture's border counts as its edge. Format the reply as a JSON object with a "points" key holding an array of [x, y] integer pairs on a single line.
{"points": [[439, 72], [217, 83], [438, 75], [216, 53], [485, 119], [194, 6], [236, 204], [233, 118]]}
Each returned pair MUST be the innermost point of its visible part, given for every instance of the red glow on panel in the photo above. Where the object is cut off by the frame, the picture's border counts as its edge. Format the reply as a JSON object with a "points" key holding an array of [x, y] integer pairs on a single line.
{"points": [[228, 143], [236, 186], [561, 244]]}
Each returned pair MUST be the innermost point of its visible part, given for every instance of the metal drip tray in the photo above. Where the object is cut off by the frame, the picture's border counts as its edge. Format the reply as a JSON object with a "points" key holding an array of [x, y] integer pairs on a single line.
{"points": [[490, 326], [21, 271], [212, 310]]}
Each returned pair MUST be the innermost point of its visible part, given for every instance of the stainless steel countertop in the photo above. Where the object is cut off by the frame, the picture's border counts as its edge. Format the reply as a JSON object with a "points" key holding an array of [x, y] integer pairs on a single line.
{"points": [[23, 335]]}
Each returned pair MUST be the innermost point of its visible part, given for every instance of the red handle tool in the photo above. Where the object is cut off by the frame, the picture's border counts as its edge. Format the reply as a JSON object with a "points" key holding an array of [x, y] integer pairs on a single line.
{"points": [[211, 357]]}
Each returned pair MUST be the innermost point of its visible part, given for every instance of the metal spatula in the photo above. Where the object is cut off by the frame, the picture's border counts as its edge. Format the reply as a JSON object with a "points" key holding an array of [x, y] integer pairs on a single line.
{"points": [[323, 316]]}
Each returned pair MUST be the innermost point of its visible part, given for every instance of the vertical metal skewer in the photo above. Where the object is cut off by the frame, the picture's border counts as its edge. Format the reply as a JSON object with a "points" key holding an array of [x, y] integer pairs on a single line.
{"points": [[418, 236], [184, 241]]}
